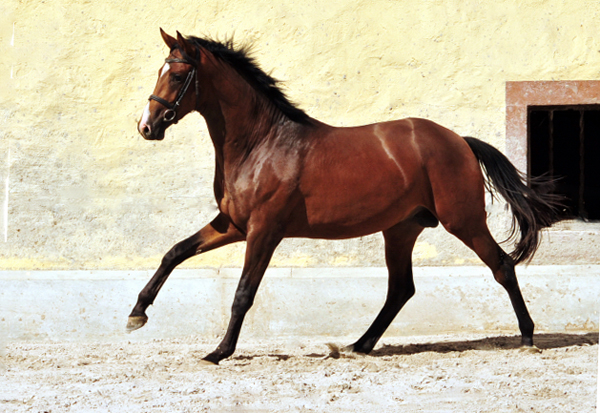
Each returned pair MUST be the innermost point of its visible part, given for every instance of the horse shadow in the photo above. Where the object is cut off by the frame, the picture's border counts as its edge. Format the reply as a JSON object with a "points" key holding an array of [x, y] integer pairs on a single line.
{"points": [[542, 341]]}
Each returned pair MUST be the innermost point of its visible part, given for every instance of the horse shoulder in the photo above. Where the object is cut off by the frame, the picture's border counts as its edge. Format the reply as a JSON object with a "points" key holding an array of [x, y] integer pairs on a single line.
{"points": [[262, 184]]}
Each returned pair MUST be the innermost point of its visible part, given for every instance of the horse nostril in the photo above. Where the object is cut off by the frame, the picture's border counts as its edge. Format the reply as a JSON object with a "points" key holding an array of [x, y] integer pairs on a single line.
{"points": [[145, 130]]}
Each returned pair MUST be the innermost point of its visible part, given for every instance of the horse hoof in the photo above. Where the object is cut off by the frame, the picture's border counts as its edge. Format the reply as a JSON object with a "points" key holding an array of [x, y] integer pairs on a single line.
{"points": [[337, 351], [207, 363], [530, 349], [133, 323], [211, 359]]}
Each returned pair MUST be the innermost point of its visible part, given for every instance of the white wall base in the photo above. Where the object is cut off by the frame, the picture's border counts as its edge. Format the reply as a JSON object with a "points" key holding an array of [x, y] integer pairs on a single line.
{"points": [[291, 302]]}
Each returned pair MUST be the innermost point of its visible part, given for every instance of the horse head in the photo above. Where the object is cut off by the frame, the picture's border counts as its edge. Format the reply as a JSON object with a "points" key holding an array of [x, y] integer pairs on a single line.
{"points": [[172, 98]]}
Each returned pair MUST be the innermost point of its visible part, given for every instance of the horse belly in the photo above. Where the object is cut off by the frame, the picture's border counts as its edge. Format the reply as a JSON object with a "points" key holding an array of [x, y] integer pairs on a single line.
{"points": [[355, 199]]}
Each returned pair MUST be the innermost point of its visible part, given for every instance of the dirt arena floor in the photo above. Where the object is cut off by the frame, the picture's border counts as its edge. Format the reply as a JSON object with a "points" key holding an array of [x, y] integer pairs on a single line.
{"points": [[411, 374]]}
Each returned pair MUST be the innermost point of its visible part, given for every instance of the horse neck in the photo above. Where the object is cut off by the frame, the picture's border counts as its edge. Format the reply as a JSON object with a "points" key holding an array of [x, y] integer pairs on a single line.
{"points": [[237, 116]]}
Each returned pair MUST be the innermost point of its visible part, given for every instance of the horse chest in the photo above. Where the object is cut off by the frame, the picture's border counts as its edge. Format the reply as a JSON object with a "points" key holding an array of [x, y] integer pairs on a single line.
{"points": [[260, 187]]}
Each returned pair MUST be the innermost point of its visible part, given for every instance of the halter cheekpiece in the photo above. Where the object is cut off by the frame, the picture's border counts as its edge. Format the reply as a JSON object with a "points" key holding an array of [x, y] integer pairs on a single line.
{"points": [[171, 112]]}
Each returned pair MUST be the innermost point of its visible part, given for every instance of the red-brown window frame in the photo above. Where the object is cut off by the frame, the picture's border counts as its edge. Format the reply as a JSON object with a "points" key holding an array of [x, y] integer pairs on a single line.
{"points": [[521, 96]]}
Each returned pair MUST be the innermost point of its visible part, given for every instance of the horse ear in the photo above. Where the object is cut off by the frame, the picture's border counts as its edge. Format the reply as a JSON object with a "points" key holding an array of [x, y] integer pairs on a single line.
{"points": [[185, 45], [169, 40]]}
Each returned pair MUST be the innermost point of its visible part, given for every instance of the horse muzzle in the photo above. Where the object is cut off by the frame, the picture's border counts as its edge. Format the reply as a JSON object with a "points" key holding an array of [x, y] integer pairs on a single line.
{"points": [[151, 133], [153, 130]]}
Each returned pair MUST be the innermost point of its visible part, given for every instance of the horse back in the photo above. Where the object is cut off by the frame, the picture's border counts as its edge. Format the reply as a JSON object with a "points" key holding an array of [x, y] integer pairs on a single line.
{"points": [[365, 179]]}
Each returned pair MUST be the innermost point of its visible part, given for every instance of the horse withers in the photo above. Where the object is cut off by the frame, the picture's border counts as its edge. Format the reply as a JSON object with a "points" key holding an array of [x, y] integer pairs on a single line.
{"points": [[280, 173]]}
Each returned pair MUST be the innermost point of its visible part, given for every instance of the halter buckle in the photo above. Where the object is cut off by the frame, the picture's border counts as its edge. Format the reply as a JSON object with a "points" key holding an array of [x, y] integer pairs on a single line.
{"points": [[169, 115]]}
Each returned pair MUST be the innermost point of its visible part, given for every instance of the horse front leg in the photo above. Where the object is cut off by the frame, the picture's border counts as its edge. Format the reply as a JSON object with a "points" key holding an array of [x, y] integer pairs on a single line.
{"points": [[259, 251], [214, 235]]}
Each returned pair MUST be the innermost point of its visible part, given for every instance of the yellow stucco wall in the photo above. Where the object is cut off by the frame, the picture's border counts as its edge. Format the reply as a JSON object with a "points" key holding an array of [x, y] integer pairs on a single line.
{"points": [[81, 190]]}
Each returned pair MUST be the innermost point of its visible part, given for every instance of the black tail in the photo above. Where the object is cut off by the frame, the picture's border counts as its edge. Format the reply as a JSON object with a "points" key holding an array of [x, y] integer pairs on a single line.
{"points": [[534, 207]]}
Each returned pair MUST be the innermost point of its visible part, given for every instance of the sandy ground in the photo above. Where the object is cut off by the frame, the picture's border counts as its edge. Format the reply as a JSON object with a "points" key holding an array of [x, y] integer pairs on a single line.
{"points": [[411, 374]]}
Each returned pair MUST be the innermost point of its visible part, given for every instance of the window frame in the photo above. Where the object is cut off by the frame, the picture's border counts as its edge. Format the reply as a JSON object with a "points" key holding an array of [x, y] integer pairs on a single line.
{"points": [[520, 95]]}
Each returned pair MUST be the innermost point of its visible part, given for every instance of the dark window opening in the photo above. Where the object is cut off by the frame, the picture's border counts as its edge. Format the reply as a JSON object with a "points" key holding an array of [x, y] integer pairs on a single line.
{"points": [[564, 143]]}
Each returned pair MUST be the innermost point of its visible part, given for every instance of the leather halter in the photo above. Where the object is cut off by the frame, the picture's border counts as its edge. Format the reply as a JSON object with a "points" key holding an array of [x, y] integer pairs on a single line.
{"points": [[171, 112]]}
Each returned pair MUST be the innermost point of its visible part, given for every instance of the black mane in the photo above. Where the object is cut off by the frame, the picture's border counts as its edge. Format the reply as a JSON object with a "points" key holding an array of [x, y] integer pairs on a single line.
{"points": [[245, 65]]}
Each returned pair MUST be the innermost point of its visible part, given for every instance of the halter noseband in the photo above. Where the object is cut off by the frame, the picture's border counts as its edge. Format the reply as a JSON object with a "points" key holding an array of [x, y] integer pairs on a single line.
{"points": [[171, 112]]}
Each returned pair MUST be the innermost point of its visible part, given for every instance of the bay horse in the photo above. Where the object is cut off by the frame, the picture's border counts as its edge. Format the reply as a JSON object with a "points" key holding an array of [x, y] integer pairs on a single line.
{"points": [[280, 173]]}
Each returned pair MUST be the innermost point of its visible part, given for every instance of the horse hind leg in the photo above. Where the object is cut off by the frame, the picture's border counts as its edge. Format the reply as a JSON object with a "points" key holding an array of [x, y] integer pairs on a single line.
{"points": [[399, 243], [476, 236], [507, 278]]}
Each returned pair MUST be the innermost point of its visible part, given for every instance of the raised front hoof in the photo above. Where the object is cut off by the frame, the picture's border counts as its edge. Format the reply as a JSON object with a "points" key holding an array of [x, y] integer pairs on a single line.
{"points": [[135, 322]]}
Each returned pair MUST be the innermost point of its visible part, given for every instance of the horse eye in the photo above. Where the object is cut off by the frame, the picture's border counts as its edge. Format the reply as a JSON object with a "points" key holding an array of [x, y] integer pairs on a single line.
{"points": [[176, 77]]}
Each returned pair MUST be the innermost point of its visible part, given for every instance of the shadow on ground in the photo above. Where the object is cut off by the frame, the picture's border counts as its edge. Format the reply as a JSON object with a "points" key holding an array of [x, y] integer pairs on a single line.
{"points": [[542, 341]]}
